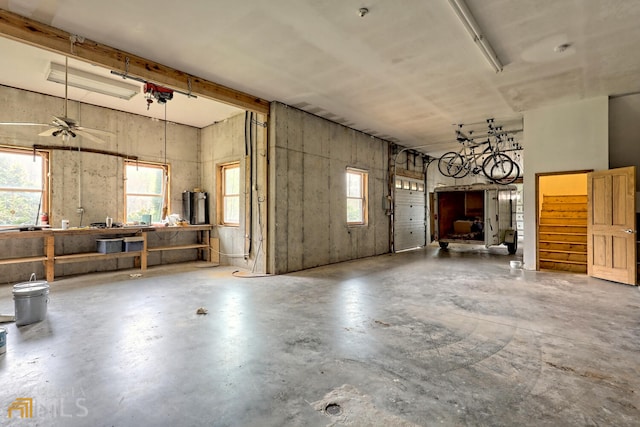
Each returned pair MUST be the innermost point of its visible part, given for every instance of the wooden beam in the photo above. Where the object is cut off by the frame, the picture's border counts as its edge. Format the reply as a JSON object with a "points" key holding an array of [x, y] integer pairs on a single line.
{"points": [[86, 150], [40, 35]]}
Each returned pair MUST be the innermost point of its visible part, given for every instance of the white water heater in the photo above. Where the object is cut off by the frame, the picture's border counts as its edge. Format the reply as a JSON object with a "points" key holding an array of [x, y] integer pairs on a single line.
{"points": [[195, 207]]}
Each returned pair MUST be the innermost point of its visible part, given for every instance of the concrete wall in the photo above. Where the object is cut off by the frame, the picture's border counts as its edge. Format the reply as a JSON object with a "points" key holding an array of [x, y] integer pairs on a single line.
{"points": [[561, 138], [224, 142], [308, 158], [94, 181]]}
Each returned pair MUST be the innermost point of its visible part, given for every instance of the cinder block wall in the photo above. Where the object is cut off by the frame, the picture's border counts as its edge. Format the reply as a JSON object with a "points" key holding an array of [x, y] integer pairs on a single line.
{"points": [[94, 181], [308, 158]]}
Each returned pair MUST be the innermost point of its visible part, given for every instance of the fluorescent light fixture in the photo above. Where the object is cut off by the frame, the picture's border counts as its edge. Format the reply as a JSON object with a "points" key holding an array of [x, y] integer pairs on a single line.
{"points": [[469, 22], [91, 82]]}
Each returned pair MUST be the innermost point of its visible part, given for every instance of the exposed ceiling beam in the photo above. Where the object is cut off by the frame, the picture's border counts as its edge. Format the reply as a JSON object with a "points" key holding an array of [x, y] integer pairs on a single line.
{"points": [[56, 40]]}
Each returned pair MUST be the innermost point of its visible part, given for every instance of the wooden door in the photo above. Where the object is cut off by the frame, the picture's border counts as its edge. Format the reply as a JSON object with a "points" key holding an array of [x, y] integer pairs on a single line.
{"points": [[611, 225]]}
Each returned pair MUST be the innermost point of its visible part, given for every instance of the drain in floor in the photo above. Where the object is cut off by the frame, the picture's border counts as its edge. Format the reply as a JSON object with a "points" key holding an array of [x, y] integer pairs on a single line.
{"points": [[333, 409]]}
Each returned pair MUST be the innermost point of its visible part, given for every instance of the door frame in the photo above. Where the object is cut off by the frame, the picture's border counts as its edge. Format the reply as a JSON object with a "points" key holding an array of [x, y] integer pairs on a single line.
{"points": [[538, 176]]}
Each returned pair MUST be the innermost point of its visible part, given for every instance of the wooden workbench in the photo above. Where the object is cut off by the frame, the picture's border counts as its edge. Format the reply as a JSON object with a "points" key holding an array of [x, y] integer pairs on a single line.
{"points": [[49, 258]]}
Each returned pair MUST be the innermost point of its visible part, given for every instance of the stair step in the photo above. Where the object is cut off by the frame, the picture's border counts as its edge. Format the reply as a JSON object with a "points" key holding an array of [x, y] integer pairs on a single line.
{"points": [[558, 266], [564, 221], [564, 229], [561, 261], [574, 247], [580, 258], [564, 207], [562, 251], [563, 214], [565, 199]]}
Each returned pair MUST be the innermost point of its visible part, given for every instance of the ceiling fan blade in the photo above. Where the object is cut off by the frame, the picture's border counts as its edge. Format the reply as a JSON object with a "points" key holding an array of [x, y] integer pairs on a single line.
{"points": [[87, 135], [49, 132], [95, 131], [25, 124]]}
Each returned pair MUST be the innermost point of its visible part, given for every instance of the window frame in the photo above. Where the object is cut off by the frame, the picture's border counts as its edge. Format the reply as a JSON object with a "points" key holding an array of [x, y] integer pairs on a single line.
{"points": [[166, 184], [45, 189], [222, 196], [364, 196]]}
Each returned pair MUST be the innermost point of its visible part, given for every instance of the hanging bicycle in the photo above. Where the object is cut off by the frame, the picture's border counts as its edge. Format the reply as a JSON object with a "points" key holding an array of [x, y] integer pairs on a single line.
{"points": [[495, 164]]}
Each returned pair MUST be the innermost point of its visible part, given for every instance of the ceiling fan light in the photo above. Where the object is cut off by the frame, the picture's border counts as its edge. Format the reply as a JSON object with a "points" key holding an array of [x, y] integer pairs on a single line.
{"points": [[92, 82]]}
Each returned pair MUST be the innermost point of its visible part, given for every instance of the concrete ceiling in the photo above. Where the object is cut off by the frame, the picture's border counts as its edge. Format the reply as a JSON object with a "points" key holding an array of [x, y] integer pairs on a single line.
{"points": [[405, 72]]}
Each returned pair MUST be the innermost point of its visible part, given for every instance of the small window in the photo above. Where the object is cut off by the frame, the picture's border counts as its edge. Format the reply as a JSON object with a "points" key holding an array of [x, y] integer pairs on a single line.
{"points": [[420, 187], [405, 184], [24, 187], [146, 190], [229, 194], [356, 197], [414, 186], [398, 183]]}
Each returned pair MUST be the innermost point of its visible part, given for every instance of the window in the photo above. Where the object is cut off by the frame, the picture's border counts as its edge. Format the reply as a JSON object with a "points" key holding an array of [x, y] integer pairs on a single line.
{"points": [[229, 194], [24, 187], [146, 187], [356, 197]]}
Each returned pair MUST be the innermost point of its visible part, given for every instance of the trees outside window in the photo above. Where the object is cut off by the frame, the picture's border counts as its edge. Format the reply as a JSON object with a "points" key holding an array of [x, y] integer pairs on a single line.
{"points": [[23, 186], [145, 190]]}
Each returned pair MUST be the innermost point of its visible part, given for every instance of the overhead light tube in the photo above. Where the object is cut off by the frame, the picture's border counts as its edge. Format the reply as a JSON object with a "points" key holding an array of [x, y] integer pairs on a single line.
{"points": [[92, 82], [469, 22]]}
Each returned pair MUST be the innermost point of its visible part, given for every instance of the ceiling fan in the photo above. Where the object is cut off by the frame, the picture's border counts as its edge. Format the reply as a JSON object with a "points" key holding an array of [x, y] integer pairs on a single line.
{"points": [[66, 127]]}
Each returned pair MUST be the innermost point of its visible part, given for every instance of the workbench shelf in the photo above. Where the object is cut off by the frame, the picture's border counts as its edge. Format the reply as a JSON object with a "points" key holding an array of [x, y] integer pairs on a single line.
{"points": [[93, 256], [177, 247], [22, 260], [50, 259]]}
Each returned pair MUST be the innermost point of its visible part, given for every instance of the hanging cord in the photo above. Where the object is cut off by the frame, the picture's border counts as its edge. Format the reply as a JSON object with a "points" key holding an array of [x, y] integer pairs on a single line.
{"points": [[80, 208], [165, 205]]}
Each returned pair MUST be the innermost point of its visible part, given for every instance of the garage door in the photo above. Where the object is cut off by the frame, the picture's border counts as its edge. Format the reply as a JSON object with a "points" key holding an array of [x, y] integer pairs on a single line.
{"points": [[409, 229]]}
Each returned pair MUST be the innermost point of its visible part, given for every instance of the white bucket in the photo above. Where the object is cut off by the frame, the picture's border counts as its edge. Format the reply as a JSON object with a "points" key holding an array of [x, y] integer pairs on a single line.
{"points": [[31, 299], [3, 340]]}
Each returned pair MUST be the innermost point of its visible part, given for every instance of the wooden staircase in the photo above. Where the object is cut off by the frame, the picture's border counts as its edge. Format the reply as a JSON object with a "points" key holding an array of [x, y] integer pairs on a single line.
{"points": [[562, 234]]}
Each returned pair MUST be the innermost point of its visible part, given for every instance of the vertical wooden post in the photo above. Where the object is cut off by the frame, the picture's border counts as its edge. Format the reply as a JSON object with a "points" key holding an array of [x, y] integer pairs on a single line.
{"points": [[49, 251], [214, 249], [207, 251], [143, 255]]}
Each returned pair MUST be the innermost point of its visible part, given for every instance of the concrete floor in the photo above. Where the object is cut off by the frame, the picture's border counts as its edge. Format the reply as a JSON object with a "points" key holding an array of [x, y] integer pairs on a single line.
{"points": [[424, 338]]}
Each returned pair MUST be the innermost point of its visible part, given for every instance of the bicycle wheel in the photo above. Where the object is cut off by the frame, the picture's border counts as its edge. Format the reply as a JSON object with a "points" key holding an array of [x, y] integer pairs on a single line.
{"points": [[497, 166], [513, 176], [451, 164]]}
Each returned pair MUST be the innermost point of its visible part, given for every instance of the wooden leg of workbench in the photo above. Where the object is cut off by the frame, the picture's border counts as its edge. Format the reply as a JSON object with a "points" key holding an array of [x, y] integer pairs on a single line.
{"points": [[207, 250], [214, 250], [50, 253], [143, 255]]}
